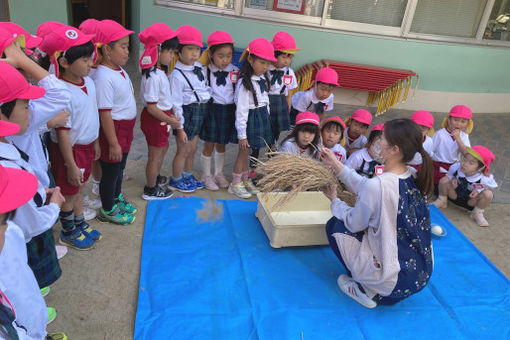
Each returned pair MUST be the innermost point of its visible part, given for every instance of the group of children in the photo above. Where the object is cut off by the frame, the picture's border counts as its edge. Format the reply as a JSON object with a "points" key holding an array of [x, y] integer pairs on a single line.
{"points": [[86, 101]]}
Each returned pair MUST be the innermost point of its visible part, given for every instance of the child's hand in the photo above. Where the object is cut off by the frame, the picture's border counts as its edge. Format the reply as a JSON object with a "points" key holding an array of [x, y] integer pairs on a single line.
{"points": [[456, 133], [473, 193], [330, 192], [14, 55], [74, 175], [97, 150], [59, 120], [455, 184], [55, 196], [182, 136], [174, 122], [115, 152], [243, 144]]}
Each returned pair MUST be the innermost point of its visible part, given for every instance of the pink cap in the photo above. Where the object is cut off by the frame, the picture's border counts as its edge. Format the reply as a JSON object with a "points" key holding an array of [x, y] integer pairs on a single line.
{"points": [[283, 41], [16, 30], [17, 187], [422, 117], [461, 111], [14, 86], [483, 154], [335, 119], [63, 38], [6, 39], [189, 35], [89, 26], [378, 127], [362, 116], [219, 37], [109, 30], [327, 75], [262, 48], [47, 27], [307, 117], [8, 128], [151, 37]]}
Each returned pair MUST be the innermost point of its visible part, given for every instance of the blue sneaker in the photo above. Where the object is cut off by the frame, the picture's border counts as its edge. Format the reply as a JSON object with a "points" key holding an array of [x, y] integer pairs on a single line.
{"points": [[182, 185], [77, 240], [87, 230], [191, 179]]}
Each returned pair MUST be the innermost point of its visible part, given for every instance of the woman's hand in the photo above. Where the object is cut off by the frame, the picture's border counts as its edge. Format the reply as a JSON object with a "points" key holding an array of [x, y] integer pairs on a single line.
{"points": [[243, 144], [330, 192], [329, 158]]}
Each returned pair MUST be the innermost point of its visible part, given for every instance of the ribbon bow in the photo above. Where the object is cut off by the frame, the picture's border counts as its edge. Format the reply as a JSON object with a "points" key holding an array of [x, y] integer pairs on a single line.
{"points": [[319, 107], [276, 76], [263, 85], [198, 71], [221, 77]]}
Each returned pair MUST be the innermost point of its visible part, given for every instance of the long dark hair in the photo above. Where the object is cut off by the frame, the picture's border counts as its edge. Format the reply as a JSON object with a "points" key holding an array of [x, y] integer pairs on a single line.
{"points": [[310, 128], [406, 134], [170, 44], [246, 72]]}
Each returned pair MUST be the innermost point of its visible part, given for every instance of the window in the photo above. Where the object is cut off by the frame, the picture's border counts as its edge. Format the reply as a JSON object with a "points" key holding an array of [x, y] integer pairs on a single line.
{"points": [[375, 12], [226, 4], [306, 7], [498, 26]]}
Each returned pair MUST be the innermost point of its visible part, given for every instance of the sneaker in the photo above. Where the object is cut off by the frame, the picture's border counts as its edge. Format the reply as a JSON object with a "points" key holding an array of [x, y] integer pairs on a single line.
{"points": [[61, 251], [93, 203], [440, 203], [157, 193], [125, 176], [89, 213], [248, 184], [210, 184], [95, 187], [480, 219], [115, 216], [87, 230], [56, 336], [239, 190], [52, 315], [45, 291], [198, 185], [221, 181], [351, 289], [182, 185], [161, 180], [125, 205], [77, 240]]}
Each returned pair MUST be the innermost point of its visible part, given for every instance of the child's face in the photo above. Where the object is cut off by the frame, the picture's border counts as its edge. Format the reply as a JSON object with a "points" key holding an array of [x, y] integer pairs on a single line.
{"points": [[356, 129], [371, 147], [20, 115], [222, 57], [189, 54], [79, 68], [260, 66], [323, 91], [331, 135], [166, 57], [305, 138], [456, 123], [469, 165], [283, 60], [119, 53]]}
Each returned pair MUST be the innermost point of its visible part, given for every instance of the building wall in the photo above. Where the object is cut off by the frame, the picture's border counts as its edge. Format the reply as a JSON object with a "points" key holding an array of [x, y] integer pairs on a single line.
{"points": [[31, 13]]}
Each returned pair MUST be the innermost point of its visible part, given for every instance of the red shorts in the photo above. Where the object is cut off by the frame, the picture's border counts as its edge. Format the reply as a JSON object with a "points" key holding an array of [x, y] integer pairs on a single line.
{"points": [[124, 133], [155, 133], [83, 156], [437, 173]]}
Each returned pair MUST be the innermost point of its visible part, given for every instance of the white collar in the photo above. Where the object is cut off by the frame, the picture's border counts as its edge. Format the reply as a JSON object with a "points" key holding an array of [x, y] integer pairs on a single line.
{"points": [[366, 155], [214, 68], [255, 78], [183, 67], [272, 67], [9, 151]]}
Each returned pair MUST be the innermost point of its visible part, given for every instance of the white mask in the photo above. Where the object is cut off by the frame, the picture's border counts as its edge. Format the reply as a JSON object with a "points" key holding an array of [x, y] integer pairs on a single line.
{"points": [[376, 150]]}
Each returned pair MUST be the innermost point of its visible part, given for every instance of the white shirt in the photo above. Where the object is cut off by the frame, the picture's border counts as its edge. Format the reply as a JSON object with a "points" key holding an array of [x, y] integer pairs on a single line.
{"points": [[339, 152], [290, 146], [83, 120], [222, 94], [115, 92], [92, 73], [33, 220], [156, 90], [244, 101], [55, 99], [182, 94], [488, 182], [356, 160], [358, 143], [18, 283], [427, 145], [288, 80], [304, 101], [445, 148]]}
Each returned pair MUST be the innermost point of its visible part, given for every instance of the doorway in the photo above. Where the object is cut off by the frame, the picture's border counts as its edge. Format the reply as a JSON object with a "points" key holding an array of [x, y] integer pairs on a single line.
{"points": [[117, 10]]}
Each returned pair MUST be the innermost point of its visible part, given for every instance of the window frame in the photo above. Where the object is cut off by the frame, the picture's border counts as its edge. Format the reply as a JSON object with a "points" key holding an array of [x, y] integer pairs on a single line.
{"points": [[322, 23]]}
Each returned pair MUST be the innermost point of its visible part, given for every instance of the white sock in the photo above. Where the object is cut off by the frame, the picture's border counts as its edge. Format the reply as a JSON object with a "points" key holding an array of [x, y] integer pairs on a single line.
{"points": [[219, 161], [477, 210], [206, 165]]}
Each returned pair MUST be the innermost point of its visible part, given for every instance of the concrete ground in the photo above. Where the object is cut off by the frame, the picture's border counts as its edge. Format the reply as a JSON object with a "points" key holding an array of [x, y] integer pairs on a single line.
{"points": [[96, 297]]}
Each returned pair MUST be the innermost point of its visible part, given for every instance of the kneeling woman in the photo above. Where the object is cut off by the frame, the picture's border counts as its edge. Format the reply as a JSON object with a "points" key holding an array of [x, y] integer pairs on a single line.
{"points": [[384, 240]]}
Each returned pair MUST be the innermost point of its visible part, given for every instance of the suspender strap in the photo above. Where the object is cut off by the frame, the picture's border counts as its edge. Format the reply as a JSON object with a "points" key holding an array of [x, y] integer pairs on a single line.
{"points": [[255, 101], [189, 83]]}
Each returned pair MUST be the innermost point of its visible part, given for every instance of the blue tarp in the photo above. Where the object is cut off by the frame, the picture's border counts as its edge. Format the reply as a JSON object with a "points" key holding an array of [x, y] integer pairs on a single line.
{"points": [[222, 280]]}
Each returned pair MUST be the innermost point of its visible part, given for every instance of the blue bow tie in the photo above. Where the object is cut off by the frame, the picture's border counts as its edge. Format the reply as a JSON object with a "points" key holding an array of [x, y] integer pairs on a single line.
{"points": [[198, 71], [263, 85], [221, 77], [276, 76]]}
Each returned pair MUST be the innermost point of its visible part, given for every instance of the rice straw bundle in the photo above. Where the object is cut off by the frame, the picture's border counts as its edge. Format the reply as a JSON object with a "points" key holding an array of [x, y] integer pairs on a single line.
{"points": [[289, 171]]}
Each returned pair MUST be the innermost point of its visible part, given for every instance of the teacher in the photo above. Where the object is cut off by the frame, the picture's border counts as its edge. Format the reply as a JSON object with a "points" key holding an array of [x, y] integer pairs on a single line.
{"points": [[384, 240]]}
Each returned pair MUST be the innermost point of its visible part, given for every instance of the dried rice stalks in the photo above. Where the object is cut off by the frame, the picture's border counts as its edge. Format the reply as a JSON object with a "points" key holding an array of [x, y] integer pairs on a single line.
{"points": [[296, 174]]}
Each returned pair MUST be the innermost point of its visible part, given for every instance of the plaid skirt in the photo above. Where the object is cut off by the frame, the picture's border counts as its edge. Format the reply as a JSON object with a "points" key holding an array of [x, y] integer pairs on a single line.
{"points": [[219, 123], [258, 128], [279, 109], [194, 115], [42, 258]]}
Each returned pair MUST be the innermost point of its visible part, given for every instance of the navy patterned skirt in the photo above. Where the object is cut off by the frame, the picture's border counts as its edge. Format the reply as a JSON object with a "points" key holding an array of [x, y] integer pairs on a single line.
{"points": [[258, 128], [194, 115], [42, 258], [279, 112], [219, 123]]}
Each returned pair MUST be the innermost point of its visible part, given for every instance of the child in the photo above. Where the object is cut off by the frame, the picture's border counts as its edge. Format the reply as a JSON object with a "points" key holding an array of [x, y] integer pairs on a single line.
{"points": [[357, 126], [304, 138], [190, 96], [23, 310], [117, 112], [332, 136], [450, 143], [364, 161], [160, 45], [253, 123], [426, 123], [90, 26], [468, 183], [317, 99], [75, 146], [219, 125]]}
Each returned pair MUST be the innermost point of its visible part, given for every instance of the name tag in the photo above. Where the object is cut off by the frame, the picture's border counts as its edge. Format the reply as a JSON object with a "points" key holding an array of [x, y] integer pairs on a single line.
{"points": [[287, 79], [234, 76], [339, 156], [478, 187], [379, 170]]}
